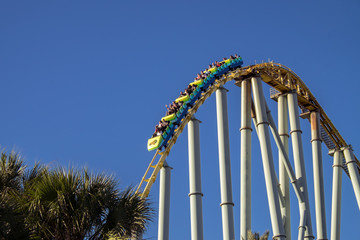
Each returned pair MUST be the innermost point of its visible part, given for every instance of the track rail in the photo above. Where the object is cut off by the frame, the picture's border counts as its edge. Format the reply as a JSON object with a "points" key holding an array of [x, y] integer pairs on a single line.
{"points": [[281, 78]]}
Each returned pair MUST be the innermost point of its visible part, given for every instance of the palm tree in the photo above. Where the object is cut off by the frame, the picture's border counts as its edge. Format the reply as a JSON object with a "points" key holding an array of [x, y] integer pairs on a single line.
{"points": [[14, 178], [11, 172], [74, 204], [129, 217], [256, 236], [66, 204]]}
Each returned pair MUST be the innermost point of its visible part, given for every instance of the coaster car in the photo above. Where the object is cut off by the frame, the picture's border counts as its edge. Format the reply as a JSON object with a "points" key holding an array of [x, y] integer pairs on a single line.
{"points": [[185, 98], [212, 70], [227, 61], [198, 82], [170, 118], [154, 143]]}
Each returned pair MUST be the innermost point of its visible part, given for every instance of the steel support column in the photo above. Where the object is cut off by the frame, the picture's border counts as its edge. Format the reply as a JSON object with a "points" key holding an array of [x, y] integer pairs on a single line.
{"points": [[164, 202], [299, 156], [224, 165], [283, 123], [195, 180], [336, 195], [318, 175], [353, 171], [268, 164], [245, 159], [290, 173]]}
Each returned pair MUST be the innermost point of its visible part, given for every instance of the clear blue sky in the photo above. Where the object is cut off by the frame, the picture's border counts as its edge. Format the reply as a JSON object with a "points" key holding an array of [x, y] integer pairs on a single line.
{"points": [[84, 82]]}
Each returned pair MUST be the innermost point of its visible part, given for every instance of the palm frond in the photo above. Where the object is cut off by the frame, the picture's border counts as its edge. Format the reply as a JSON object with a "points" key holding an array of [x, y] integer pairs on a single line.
{"points": [[130, 216], [11, 221], [11, 169], [256, 236]]}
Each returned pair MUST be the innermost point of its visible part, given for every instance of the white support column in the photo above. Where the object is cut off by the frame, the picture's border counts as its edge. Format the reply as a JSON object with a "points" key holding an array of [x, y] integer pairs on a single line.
{"points": [[336, 195], [224, 165], [268, 164], [164, 202], [283, 122], [245, 159], [299, 157], [353, 171], [290, 173], [195, 180], [318, 175]]}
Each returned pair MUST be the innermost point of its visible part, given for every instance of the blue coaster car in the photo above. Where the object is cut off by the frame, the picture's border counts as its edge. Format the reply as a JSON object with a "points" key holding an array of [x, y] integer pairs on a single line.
{"points": [[237, 63], [196, 94], [208, 81], [222, 69], [167, 135], [182, 113]]}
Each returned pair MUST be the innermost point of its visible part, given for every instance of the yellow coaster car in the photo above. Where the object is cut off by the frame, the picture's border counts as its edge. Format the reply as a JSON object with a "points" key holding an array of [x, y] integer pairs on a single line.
{"points": [[170, 117], [154, 143], [183, 99], [198, 82], [212, 69]]}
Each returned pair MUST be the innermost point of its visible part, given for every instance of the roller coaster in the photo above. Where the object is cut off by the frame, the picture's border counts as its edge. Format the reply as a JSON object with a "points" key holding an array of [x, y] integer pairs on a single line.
{"points": [[291, 94]]}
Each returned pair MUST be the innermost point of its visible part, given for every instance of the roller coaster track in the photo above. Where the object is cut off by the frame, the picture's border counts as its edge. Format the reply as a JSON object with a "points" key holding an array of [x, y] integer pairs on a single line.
{"points": [[279, 77]]}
